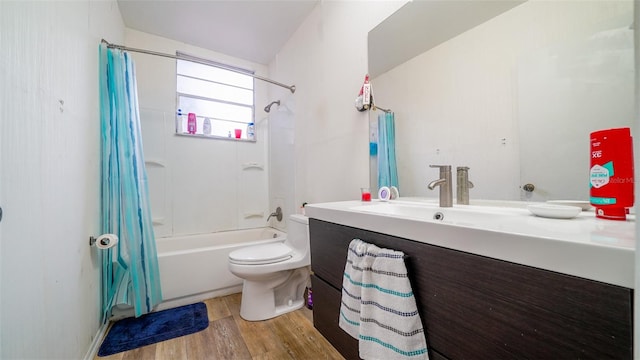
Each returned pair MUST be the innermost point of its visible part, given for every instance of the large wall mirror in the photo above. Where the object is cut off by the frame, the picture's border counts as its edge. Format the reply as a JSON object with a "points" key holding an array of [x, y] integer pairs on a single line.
{"points": [[512, 93]]}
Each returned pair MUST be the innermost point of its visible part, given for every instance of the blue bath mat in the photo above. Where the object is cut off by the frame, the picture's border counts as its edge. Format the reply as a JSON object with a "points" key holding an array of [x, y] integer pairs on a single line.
{"points": [[132, 333]]}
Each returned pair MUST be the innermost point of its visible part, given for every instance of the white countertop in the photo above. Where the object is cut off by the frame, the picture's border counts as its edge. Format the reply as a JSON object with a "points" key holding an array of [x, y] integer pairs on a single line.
{"points": [[585, 246]]}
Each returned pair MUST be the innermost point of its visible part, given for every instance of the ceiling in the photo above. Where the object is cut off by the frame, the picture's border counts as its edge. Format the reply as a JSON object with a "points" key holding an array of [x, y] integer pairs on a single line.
{"points": [[253, 30]]}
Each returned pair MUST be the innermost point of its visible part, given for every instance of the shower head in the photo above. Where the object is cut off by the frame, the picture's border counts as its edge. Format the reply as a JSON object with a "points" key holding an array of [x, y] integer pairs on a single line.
{"points": [[268, 107]]}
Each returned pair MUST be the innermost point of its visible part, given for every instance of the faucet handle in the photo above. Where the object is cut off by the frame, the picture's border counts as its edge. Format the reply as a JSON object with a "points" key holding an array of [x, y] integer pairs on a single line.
{"points": [[277, 214], [463, 176]]}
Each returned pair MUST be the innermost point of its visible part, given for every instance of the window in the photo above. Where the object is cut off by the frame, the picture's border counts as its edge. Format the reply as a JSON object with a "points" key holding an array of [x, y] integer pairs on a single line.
{"points": [[222, 100]]}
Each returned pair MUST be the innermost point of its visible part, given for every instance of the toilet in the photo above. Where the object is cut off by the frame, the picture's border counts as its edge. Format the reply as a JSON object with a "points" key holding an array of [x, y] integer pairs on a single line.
{"points": [[275, 275]]}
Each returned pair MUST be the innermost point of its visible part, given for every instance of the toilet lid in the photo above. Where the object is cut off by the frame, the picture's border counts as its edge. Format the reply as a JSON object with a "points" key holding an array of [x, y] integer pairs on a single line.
{"points": [[261, 254]]}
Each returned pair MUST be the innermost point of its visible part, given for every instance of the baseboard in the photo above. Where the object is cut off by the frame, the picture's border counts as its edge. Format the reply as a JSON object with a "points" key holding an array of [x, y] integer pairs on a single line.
{"points": [[186, 300], [125, 312], [97, 341]]}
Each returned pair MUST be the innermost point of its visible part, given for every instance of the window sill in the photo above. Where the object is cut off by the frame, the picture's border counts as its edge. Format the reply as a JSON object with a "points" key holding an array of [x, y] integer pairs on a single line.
{"points": [[214, 137]]}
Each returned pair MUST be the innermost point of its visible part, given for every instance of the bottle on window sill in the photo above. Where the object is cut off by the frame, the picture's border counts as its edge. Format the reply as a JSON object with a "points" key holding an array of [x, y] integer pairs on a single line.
{"points": [[180, 122], [251, 131], [206, 126], [192, 125]]}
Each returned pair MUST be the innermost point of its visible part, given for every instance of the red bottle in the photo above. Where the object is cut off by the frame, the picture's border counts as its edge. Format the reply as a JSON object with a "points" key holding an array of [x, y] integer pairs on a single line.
{"points": [[611, 175], [192, 125]]}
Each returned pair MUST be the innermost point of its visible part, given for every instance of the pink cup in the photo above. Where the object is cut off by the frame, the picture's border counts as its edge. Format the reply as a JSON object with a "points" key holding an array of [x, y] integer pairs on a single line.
{"points": [[238, 133]]}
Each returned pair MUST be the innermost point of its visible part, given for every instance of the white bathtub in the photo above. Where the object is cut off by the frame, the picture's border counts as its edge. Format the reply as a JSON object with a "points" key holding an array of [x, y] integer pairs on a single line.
{"points": [[194, 268]]}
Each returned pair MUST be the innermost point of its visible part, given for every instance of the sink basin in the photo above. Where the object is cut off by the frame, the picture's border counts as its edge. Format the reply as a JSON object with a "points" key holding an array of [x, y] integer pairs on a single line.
{"points": [[459, 215]]}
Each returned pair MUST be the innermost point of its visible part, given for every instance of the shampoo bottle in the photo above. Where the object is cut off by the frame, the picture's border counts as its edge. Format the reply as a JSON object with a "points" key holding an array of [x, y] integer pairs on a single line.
{"points": [[192, 125], [206, 126], [251, 131], [180, 122]]}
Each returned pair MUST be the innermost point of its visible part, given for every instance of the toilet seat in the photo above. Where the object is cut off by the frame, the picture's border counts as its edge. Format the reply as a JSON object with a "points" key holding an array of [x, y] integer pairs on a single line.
{"points": [[261, 254]]}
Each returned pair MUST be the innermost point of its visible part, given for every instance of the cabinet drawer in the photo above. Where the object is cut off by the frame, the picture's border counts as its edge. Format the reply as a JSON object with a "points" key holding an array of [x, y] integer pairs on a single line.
{"points": [[329, 244], [326, 310], [477, 307]]}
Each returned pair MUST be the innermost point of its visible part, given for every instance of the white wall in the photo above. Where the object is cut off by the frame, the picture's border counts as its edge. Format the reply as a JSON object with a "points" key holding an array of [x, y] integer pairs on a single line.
{"points": [[49, 174], [200, 186], [464, 103], [327, 60]]}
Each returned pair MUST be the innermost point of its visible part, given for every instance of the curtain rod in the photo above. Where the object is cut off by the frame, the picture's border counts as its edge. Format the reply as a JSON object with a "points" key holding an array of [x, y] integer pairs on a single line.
{"points": [[382, 109], [291, 88]]}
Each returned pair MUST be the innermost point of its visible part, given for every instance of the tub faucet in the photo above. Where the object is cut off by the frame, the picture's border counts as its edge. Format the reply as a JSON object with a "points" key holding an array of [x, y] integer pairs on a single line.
{"points": [[446, 194], [277, 214], [463, 185]]}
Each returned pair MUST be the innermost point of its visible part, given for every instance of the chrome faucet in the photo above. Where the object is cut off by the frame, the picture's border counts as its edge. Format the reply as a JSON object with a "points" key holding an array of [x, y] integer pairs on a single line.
{"points": [[277, 214], [446, 193], [463, 185]]}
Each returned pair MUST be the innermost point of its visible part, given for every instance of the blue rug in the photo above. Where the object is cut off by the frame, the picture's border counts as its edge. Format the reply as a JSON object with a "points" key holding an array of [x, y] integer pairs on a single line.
{"points": [[132, 333]]}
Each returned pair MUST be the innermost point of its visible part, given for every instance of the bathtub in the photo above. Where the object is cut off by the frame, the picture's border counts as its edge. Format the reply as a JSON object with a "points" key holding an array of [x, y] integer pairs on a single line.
{"points": [[194, 267]]}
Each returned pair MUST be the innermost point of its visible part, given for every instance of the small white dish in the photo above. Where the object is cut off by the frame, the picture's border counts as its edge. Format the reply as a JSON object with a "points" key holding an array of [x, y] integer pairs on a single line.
{"points": [[554, 211], [584, 205]]}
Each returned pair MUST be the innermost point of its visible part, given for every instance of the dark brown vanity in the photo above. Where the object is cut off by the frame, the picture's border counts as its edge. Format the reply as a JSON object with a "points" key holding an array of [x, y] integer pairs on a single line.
{"points": [[476, 307]]}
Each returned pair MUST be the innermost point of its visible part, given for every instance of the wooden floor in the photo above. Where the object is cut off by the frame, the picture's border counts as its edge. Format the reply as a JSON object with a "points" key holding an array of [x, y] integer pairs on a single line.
{"points": [[290, 336]]}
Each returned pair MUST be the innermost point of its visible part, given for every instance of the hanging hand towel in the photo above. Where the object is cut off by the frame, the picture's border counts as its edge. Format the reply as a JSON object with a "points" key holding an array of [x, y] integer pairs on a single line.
{"points": [[351, 290], [386, 321], [390, 326]]}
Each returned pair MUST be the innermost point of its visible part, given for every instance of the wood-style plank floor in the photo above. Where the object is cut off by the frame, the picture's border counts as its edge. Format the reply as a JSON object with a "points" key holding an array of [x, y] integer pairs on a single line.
{"points": [[289, 336]]}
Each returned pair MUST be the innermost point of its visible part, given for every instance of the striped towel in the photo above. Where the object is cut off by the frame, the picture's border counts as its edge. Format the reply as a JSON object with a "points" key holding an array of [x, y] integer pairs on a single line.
{"points": [[378, 306]]}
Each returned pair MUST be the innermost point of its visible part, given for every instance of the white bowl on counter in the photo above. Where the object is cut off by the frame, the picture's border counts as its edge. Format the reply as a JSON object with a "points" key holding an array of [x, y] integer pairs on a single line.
{"points": [[553, 211]]}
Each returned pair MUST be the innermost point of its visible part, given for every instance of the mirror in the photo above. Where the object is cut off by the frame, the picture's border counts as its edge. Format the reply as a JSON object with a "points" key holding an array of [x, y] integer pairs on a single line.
{"points": [[513, 94]]}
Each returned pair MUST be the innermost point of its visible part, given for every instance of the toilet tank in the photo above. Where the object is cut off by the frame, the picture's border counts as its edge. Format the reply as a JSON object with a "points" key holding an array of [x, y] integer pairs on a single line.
{"points": [[298, 232]]}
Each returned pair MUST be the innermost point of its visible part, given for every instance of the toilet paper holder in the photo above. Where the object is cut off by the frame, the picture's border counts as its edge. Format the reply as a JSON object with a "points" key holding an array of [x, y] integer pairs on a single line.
{"points": [[92, 240], [105, 240]]}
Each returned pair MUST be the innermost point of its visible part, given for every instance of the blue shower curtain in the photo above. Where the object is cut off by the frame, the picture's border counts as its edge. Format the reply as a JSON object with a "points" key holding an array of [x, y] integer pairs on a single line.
{"points": [[130, 273], [387, 168]]}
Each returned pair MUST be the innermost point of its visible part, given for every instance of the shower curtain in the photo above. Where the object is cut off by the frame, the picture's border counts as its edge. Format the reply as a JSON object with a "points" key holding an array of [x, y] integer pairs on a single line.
{"points": [[387, 168], [130, 273]]}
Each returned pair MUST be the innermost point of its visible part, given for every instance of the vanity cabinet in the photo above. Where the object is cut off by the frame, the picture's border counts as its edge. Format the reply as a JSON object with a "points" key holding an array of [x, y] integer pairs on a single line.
{"points": [[475, 307]]}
